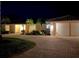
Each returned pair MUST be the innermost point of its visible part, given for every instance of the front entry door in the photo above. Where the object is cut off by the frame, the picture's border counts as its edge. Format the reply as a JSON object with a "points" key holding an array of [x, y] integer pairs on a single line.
{"points": [[17, 28]]}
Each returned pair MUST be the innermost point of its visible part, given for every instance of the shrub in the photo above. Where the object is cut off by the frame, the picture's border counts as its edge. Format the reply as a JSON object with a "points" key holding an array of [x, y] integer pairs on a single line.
{"points": [[28, 34], [3, 31], [43, 32], [23, 32], [36, 33]]}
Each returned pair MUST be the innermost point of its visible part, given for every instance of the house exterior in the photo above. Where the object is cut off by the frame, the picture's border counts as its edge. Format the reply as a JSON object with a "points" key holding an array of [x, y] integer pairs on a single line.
{"points": [[62, 26]]}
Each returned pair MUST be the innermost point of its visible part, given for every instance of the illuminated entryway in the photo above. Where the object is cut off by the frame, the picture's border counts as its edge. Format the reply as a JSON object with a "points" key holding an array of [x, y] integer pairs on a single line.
{"points": [[19, 28], [50, 28]]}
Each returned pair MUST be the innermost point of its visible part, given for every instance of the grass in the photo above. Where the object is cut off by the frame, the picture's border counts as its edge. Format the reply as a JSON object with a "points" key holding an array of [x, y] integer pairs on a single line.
{"points": [[10, 46]]}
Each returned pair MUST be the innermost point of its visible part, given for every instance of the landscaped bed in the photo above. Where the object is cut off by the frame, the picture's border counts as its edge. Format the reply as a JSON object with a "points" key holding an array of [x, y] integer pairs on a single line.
{"points": [[11, 46]]}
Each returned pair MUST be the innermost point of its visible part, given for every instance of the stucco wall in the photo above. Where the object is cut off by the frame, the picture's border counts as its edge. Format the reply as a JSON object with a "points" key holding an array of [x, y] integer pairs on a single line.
{"points": [[43, 26], [75, 29], [27, 28], [62, 29], [32, 27], [38, 27], [12, 28]]}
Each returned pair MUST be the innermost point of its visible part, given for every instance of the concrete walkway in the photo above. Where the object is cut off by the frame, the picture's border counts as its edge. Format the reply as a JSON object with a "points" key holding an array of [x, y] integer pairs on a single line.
{"points": [[49, 47]]}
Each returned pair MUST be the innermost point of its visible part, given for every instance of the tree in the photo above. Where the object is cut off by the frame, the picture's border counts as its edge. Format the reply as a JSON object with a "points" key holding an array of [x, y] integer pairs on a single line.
{"points": [[29, 21], [3, 21]]}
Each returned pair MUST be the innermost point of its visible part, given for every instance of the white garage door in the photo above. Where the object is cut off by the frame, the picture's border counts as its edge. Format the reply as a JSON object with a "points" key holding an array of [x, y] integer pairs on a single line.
{"points": [[75, 29], [62, 29]]}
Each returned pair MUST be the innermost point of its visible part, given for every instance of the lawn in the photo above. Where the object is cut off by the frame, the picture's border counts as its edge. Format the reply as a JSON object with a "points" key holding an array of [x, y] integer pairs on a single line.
{"points": [[10, 46]]}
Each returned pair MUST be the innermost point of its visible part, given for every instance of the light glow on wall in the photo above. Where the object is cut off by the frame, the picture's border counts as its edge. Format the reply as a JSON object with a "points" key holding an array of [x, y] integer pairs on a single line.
{"points": [[50, 27], [19, 28], [22, 27]]}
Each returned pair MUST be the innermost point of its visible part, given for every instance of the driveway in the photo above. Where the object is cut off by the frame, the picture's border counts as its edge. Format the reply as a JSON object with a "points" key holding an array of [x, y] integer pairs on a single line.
{"points": [[49, 47]]}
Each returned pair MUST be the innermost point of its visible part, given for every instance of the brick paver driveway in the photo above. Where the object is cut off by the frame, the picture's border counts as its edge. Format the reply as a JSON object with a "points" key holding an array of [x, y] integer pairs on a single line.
{"points": [[47, 46]]}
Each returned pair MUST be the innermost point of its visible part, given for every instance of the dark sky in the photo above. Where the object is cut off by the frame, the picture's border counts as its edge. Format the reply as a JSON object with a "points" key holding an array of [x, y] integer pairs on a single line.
{"points": [[24, 10]]}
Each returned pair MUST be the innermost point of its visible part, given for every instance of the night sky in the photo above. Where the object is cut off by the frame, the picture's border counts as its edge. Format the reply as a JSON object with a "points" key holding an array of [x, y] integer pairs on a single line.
{"points": [[23, 10]]}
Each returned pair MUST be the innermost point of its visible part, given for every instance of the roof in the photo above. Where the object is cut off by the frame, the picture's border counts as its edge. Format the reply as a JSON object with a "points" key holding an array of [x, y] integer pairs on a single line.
{"points": [[64, 18], [15, 22]]}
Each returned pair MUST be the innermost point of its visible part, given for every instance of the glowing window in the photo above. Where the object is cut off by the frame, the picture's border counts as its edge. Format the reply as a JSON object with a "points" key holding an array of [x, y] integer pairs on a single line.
{"points": [[7, 28]]}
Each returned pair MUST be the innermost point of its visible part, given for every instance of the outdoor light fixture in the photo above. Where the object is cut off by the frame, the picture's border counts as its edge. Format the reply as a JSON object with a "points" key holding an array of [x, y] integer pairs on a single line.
{"points": [[48, 26]]}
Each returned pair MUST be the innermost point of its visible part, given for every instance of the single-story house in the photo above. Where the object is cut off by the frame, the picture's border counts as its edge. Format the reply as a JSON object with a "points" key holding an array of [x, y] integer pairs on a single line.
{"points": [[60, 26]]}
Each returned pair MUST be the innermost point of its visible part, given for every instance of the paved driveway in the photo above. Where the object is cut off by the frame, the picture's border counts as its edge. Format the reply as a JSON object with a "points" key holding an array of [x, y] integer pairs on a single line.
{"points": [[48, 46]]}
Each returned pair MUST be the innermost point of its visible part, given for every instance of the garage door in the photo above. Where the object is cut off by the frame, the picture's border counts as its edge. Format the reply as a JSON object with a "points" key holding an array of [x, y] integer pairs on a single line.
{"points": [[62, 29], [75, 29]]}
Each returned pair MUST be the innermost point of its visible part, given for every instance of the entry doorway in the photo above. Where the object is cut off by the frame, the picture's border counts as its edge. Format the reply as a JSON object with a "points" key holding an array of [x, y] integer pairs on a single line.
{"points": [[50, 29], [19, 28]]}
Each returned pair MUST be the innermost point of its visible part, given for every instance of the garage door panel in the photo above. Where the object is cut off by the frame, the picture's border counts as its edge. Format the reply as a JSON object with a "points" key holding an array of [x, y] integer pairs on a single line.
{"points": [[74, 29], [62, 29]]}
